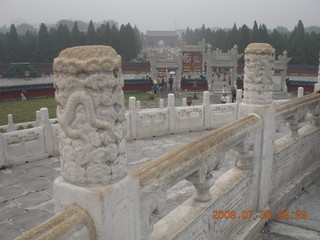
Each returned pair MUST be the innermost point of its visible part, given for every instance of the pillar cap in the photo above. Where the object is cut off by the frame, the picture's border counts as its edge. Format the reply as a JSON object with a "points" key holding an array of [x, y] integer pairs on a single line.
{"points": [[260, 48], [87, 59]]}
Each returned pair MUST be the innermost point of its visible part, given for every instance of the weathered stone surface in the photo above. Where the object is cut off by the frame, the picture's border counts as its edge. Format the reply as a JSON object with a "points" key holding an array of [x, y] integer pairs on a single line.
{"points": [[308, 201], [9, 210], [11, 192], [9, 231], [36, 184], [32, 199], [12, 176], [259, 61], [90, 112], [37, 215]]}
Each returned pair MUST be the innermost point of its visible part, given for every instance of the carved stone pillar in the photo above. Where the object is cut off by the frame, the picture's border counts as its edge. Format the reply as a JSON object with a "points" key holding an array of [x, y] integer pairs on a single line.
{"points": [[90, 111], [259, 60], [91, 115]]}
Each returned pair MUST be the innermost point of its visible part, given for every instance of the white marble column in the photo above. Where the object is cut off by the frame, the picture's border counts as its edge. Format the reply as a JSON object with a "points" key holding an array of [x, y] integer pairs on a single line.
{"points": [[259, 61], [91, 114]]}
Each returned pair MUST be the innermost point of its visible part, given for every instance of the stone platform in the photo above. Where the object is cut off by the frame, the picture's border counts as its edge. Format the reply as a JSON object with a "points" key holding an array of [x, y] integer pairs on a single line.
{"points": [[26, 194]]}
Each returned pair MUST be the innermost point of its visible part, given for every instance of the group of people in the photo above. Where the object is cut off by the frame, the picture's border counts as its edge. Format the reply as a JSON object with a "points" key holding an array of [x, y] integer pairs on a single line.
{"points": [[162, 82], [225, 95]]}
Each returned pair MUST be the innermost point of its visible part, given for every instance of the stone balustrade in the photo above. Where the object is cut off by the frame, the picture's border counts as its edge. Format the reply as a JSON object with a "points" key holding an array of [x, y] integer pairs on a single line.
{"points": [[267, 175], [30, 144], [196, 162], [141, 123]]}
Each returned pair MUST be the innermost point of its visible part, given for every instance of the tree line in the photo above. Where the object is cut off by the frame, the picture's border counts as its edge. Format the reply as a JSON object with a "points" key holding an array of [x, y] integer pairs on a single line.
{"points": [[43, 46], [302, 46]]}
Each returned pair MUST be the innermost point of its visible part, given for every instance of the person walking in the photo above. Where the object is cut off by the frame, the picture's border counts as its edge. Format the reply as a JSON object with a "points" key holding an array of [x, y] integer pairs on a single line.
{"points": [[23, 97]]}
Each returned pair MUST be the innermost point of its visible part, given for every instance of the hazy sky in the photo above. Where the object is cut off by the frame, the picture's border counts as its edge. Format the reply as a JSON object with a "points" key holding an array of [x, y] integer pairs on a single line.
{"points": [[165, 14]]}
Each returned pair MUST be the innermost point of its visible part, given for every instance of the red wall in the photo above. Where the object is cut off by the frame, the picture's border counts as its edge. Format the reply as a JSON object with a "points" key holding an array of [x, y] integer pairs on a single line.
{"points": [[28, 94]]}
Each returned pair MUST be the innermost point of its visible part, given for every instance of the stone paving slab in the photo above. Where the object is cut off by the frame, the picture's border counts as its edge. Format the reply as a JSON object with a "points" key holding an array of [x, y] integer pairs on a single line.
{"points": [[308, 201], [9, 231]]}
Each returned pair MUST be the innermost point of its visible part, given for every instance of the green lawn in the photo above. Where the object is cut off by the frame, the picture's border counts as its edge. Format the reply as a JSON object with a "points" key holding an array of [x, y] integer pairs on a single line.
{"points": [[26, 111]]}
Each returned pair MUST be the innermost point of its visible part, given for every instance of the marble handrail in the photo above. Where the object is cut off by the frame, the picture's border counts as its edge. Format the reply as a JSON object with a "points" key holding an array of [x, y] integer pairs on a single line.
{"points": [[194, 162], [302, 103], [62, 225]]}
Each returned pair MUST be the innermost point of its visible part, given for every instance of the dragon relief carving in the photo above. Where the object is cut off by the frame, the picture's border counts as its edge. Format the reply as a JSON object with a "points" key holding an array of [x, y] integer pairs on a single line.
{"points": [[91, 114]]}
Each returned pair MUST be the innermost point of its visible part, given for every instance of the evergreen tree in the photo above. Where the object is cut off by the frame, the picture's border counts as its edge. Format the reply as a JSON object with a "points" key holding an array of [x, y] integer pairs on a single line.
{"points": [[62, 38], [220, 39], [2, 49], [189, 37], [244, 38], [255, 33], [312, 41], [278, 42], [43, 52], [263, 36], [127, 43], [297, 45], [138, 38], [232, 37], [28, 42], [115, 40], [77, 38], [91, 35], [12, 45]]}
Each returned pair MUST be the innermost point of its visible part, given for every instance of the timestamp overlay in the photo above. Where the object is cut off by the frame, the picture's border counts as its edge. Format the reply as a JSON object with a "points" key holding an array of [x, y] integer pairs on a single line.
{"points": [[265, 214]]}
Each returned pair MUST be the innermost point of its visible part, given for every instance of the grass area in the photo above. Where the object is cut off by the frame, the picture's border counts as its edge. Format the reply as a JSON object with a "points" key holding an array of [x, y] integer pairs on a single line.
{"points": [[26, 111]]}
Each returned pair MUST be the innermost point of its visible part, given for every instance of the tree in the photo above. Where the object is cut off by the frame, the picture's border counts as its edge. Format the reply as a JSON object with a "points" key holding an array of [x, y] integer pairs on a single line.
{"points": [[127, 43], [233, 37], [312, 41], [12, 44], [43, 46], [255, 33], [115, 39], [28, 46], [91, 35], [62, 38], [278, 41], [77, 38], [137, 40], [297, 45], [2, 49], [244, 38], [263, 36]]}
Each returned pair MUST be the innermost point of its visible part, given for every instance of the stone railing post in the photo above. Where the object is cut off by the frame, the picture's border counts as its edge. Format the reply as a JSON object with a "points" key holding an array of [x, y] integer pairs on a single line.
{"points": [[317, 85], [259, 61], [38, 118], [172, 112], [300, 92], [11, 127], [133, 117], [91, 114], [207, 108], [161, 104], [47, 130], [2, 155]]}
